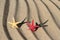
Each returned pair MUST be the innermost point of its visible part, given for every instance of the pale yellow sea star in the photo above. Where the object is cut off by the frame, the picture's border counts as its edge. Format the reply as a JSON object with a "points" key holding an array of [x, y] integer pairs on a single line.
{"points": [[13, 23]]}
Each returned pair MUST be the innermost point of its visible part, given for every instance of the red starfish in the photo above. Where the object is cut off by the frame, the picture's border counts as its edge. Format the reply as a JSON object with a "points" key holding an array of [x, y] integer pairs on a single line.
{"points": [[32, 27]]}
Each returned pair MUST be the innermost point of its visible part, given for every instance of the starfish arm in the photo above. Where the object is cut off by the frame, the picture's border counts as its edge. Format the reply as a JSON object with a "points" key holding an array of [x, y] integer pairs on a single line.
{"points": [[29, 24], [17, 22], [32, 22], [13, 19], [16, 26], [9, 22], [36, 26], [12, 27]]}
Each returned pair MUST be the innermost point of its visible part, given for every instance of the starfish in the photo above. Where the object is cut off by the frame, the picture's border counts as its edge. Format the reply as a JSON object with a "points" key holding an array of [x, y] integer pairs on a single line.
{"points": [[31, 26], [42, 24], [13, 23]]}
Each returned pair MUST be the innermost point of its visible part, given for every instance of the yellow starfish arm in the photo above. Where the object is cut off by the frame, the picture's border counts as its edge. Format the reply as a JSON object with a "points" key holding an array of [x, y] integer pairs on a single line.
{"points": [[16, 26], [13, 19], [10, 23], [12, 27], [17, 22]]}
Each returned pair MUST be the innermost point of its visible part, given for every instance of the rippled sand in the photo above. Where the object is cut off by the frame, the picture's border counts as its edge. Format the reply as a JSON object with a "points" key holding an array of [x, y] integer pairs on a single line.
{"points": [[39, 10]]}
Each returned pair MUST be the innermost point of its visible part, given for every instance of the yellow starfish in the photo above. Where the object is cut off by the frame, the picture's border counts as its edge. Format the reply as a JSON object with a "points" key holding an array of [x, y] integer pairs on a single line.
{"points": [[14, 24]]}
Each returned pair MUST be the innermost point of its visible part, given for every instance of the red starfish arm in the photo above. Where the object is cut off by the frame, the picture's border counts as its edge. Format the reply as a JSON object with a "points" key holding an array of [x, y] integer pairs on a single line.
{"points": [[32, 22], [29, 24], [36, 26]]}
